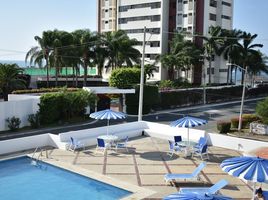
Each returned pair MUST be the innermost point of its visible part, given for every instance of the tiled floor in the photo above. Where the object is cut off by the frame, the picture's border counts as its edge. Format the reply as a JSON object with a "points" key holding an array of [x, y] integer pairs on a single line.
{"points": [[147, 162]]}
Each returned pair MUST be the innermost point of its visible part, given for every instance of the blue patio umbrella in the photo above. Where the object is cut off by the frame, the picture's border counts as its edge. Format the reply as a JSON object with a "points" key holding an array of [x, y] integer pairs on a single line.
{"points": [[107, 114], [188, 122], [252, 169], [194, 196]]}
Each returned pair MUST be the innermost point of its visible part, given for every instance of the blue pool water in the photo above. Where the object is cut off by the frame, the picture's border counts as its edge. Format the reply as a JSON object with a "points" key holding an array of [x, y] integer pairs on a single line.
{"points": [[21, 180]]}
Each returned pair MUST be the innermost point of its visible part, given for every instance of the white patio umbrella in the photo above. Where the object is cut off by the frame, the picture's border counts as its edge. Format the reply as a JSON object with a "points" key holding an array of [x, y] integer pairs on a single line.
{"points": [[107, 114], [252, 169], [188, 122]]}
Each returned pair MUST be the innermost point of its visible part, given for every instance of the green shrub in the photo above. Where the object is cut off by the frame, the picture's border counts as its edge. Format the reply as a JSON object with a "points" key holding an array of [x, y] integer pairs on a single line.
{"points": [[43, 90], [248, 118], [223, 126], [64, 105], [150, 99], [124, 77], [13, 123], [166, 84], [34, 120], [262, 110], [234, 122]]}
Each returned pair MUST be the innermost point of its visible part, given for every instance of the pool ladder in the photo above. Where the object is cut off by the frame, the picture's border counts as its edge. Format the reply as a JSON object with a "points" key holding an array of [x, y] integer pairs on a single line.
{"points": [[36, 160]]}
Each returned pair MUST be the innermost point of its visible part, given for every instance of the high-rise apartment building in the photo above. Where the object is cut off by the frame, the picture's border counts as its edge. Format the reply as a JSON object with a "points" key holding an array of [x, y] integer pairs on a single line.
{"points": [[162, 18]]}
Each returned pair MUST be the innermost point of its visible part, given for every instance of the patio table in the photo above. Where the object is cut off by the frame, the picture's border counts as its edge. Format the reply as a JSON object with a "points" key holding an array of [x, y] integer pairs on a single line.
{"points": [[108, 138], [187, 146]]}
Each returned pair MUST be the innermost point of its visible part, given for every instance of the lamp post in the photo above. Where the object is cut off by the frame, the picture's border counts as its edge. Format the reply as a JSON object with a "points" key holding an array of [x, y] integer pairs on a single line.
{"points": [[142, 77], [243, 95]]}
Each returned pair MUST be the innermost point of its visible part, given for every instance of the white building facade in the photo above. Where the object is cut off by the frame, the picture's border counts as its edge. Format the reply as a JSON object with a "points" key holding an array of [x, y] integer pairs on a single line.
{"points": [[161, 19]]}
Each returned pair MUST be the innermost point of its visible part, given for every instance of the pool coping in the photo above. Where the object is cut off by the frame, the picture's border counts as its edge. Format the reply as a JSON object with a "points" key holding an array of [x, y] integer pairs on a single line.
{"points": [[137, 192]]}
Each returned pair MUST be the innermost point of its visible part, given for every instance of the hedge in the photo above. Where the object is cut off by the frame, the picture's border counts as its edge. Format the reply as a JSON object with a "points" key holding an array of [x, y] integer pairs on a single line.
{"points": [[223, 126], [124, 77], [64, 105], [44, 90], [150, 99]]}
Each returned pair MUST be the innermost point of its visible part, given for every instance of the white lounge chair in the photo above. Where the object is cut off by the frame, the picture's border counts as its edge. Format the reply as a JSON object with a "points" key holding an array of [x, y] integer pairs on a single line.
{"points": [[193, 176], [205, 190]]}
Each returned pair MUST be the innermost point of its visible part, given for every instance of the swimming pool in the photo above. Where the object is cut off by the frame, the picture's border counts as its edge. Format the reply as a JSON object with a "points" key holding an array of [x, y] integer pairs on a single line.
{"points": [[19, 179]]}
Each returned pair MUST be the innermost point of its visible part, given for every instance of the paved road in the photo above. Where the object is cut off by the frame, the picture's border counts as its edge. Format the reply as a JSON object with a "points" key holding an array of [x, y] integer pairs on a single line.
{"points": [[211, 112]]}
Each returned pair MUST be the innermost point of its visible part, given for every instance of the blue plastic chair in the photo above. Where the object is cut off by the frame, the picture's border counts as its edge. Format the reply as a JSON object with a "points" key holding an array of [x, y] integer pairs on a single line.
{"points": [[206, 190], [101, 145], [122, 145], [173, 148], [177, 139], [192, 176], [75, 144], [201, 142], [201, 151]]}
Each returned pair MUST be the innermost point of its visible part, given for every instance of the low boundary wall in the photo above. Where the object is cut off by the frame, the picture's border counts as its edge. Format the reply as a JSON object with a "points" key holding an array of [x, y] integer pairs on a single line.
{"points": [[132, 129]]}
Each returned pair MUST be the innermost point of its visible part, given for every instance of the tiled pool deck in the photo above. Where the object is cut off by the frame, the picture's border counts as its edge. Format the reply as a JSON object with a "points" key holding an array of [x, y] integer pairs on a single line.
{"points": [[147, 162]]}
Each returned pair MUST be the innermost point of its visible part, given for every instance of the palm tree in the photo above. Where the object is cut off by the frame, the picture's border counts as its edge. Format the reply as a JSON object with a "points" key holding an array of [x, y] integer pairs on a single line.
{"points": [[120, 49], [86, 41], [171, 62], [212, 44], [42, 51], [245, 51], [9, 79], [231, 40]]}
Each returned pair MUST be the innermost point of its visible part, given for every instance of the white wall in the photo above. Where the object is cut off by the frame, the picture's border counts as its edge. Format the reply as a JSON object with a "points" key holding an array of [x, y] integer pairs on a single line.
{"points": [[131, 129], [24, 143], [19, 107]]}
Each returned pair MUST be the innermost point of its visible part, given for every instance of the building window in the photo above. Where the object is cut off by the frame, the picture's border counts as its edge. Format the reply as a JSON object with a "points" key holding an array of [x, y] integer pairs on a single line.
{"points": [[143, 5], [153, 18], [212, 70], [213, 3], [226, 4], [106, 22], [184, 15], [185, 2], [149, 30], [155, 44], [226, 17], [223, 70], [190, 28], [212, 17]]}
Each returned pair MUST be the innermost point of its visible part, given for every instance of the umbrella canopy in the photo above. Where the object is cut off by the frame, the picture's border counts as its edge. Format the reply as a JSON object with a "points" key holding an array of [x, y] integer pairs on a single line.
{"points": [[188, 122], [253, 169], [194, 196], [107, 114]]}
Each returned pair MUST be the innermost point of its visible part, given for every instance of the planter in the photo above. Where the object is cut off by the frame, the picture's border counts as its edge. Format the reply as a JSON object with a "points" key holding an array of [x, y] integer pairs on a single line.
{"points": [[258, 128]]}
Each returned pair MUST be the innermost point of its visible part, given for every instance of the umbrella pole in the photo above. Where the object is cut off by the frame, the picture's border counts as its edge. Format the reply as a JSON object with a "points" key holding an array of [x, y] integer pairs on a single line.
{"points": [[253, 190], [188, 137], [107, 127]]}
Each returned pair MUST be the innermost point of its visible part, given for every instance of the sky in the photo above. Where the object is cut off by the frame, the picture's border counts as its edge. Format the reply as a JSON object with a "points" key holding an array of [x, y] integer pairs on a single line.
{"points": [[21, 20]]}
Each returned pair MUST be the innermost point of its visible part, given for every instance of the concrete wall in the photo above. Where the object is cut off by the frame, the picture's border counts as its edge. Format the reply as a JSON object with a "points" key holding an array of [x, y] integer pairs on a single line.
{"points": [[133, 129], [19, 107]]}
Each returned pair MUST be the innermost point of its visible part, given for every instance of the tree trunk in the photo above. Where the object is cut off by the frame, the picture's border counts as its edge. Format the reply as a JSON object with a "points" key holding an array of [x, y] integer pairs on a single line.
{"points": [[210, 70], [231, 76], [47, 65], [85, 73], [73, 68], [5, 93], [76, 77], [66, 77], [228, 74]]}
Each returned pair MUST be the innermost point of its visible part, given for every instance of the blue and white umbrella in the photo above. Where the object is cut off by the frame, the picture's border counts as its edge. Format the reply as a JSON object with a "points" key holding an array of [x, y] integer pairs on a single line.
{"points": [[188, 122], [252, 169], [107, 114], [194, 196]]}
